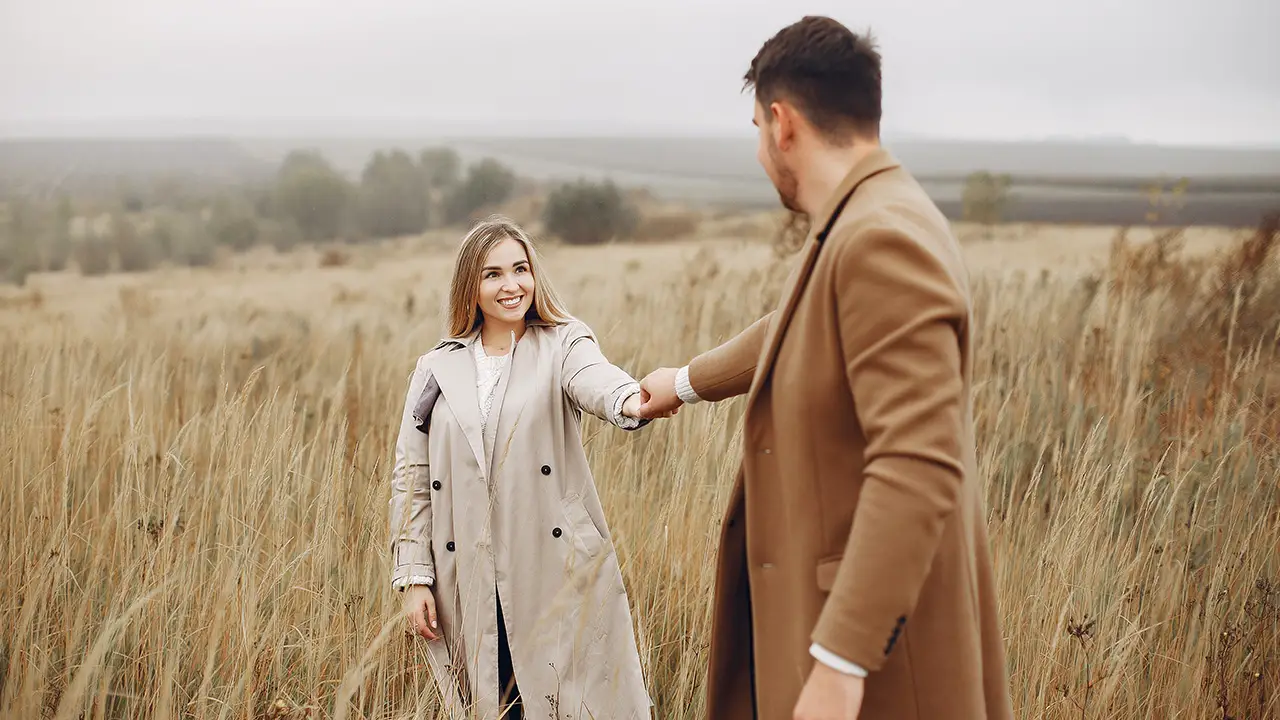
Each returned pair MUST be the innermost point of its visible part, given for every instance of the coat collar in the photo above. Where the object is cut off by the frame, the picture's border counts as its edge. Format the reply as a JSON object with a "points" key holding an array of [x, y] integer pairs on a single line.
{"points": [[877, 161], [455, 371], [873, 163]]}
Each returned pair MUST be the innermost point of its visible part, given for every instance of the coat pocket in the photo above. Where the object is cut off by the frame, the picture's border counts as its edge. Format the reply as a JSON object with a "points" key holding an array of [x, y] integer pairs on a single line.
{"points": [[826, 572], [586, 536]]}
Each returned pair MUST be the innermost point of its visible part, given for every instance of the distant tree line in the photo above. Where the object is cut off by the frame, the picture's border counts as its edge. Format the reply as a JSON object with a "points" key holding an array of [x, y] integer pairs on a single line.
{"points": [[307, 201]]}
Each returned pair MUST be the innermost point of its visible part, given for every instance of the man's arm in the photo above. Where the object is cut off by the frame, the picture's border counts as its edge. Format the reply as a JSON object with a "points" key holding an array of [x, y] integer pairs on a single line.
{"points": [[900, 315], [717, 374], [727, 371]]}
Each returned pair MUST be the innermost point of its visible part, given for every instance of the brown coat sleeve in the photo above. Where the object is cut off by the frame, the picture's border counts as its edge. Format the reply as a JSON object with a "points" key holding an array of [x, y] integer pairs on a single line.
{"points": [[726, 371], [900, 314]]}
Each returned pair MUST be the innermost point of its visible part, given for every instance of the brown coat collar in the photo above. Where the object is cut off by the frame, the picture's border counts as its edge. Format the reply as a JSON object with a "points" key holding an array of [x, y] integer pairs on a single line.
{"points": [[874, 163]]}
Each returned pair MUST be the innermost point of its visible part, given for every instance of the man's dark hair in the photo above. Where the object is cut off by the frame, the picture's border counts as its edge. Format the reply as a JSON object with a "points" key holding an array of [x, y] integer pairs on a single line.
{"points": [[829, 73]]}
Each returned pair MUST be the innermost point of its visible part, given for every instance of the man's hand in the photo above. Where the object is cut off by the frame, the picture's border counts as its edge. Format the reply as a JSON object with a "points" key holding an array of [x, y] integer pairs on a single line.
{"points": [[829, 695], [420, 608], [631, 408], [658, 394]]}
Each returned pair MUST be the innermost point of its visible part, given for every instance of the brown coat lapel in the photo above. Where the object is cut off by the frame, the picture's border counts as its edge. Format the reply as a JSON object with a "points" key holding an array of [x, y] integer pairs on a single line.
{"points": [[874, 163]]}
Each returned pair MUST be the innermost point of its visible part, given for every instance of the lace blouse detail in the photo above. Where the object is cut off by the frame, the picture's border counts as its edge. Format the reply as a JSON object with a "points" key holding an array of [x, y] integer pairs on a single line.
{"points": [[489, 369]]}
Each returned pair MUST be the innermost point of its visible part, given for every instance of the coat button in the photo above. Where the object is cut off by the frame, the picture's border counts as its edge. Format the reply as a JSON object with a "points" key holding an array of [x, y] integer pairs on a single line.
{"points": [[546, 469], [556, 532], [449, 546], [435, 485]]}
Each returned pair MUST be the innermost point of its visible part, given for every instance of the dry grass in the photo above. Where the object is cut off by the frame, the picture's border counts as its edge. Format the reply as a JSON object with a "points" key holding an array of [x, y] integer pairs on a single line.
{"points": [[195, 474]]}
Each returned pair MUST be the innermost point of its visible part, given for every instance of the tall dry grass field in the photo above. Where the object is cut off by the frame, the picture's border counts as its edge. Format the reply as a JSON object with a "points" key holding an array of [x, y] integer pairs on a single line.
{"points": [[196, 469]]}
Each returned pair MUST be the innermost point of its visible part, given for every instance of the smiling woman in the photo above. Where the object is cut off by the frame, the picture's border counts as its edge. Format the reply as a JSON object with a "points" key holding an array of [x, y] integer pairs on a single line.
{"points": [[498, 537]]}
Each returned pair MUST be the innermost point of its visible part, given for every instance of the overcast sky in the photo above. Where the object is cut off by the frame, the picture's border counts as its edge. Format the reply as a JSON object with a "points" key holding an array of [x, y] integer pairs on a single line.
{"points": [[1172, 71]]}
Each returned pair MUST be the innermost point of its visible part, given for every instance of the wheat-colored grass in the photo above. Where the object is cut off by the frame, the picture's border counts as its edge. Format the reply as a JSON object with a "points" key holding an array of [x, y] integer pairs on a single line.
{"points": [[195, 475]]}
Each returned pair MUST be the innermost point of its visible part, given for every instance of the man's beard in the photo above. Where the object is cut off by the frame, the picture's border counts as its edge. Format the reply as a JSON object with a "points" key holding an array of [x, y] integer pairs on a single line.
{"points": [[786, 184]]}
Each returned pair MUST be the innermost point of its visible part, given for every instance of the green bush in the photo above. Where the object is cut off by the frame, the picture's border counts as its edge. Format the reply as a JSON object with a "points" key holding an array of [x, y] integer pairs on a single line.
{"points": [[393, 196], [585, 213], [488, 183], [313, 194]]}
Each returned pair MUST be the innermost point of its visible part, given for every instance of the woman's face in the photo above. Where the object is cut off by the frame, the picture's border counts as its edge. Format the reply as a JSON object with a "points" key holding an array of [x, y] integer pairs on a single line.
{"points": [[506, 283]]}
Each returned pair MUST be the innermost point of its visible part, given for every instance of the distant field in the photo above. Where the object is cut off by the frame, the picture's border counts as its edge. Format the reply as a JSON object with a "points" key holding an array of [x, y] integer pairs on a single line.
{"points": [[1052, 182], [1096, 183]]}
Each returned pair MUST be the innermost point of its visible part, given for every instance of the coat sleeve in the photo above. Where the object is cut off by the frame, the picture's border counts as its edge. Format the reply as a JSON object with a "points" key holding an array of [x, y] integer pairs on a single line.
{"points": [[591, 382], [410, 505], [727, 371], [900, 316]]}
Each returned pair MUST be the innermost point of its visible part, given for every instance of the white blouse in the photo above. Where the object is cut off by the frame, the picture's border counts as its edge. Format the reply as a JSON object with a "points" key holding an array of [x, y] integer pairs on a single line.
{"points": [[488, 371]]}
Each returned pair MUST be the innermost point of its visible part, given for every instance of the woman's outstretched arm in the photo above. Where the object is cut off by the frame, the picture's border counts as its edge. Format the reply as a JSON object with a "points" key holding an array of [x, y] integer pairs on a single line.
{"points": [[593, 383]]}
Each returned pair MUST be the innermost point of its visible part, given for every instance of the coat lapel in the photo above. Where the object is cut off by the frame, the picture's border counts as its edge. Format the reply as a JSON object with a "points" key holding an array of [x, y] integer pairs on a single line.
{"points": [[874, 163], [455, 371]]}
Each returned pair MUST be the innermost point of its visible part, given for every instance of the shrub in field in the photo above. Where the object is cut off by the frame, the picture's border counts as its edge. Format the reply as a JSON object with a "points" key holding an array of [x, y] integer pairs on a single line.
{"points": [[233, 225], [313, 194], [135, 251], [283, 235], [93, 256], [587, 213], [393, 196], [488, 183], [440, 167]]}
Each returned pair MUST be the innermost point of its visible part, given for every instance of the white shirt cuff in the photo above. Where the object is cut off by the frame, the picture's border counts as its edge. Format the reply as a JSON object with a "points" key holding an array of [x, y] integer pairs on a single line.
{"points": [[684, 389], [831, 660], [413, 580]]}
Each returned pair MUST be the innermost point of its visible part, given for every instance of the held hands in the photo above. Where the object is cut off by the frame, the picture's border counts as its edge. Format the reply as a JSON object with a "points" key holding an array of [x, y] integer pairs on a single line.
{"points": [[632, 408], [657, 398], [658, 394], [420, 608], [830, 695]]}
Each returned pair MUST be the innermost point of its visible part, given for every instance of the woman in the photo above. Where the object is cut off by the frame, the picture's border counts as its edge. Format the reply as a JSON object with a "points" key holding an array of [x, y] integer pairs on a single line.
{"points": [[500, 545]]}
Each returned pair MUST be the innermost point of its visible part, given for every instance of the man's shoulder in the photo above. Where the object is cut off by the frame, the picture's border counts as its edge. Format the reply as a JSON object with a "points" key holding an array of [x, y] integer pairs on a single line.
{"points": [[894, 204], [898, 220]]}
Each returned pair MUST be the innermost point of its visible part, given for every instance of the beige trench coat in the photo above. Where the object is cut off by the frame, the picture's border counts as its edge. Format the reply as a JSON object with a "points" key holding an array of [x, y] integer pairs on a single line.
{"points": [[516, 511]]}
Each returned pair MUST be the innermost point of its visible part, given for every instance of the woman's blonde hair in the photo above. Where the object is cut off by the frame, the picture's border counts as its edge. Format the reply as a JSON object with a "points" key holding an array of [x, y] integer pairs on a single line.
{"points": [[463, 313]]}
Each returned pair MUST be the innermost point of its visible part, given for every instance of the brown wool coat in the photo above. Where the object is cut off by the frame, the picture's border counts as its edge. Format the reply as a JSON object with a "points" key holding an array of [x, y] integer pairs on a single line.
{"points": [[513, 513], [856, 520]]}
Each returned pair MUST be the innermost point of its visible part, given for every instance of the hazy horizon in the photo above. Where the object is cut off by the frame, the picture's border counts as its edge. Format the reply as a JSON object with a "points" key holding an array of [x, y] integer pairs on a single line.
{"points": [[1176, 73], [321, 129]]}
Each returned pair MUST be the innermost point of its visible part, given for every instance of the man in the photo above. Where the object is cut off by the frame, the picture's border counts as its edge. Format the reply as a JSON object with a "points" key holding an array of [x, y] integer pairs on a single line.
{"points": [[855, 533]]}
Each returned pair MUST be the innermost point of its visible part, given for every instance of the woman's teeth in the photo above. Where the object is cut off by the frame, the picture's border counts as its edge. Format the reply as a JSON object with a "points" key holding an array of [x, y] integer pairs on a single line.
{"points": [[511, 302]]}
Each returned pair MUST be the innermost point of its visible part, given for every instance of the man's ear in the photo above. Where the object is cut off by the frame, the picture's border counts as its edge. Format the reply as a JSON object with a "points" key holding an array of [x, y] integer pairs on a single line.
{"points": [[785, 123]]}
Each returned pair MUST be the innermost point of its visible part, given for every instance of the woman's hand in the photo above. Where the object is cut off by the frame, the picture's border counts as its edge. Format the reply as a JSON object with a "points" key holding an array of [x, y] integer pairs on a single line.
{"points": [[420, 608], [631, 408]]}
